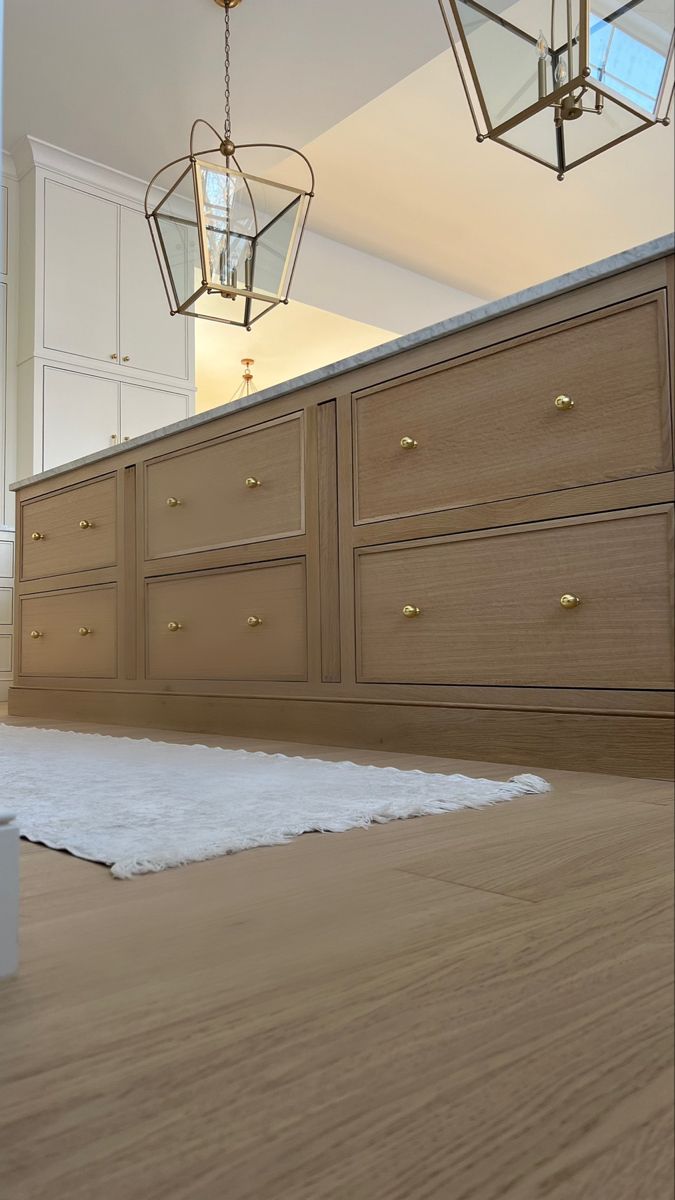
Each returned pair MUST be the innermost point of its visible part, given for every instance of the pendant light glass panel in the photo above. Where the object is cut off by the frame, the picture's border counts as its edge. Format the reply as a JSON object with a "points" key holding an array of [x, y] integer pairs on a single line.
{"points": [[560, 81]]}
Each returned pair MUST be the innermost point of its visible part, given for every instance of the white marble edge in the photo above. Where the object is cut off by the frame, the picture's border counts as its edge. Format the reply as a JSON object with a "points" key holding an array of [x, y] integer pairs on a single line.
{"points": [[636, 256]]}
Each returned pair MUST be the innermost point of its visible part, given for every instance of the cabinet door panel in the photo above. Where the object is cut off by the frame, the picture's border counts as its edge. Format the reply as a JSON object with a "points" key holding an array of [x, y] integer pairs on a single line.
{"points": [[145, 409], [81, 251], [150, 337], [80, 415]]}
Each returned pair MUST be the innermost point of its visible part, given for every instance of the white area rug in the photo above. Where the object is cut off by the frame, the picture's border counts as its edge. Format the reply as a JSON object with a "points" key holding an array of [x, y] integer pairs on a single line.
{"points": [[143, 806]]}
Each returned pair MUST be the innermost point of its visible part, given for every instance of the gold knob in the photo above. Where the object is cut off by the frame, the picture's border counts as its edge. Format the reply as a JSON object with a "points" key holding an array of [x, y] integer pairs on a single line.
{"points": [[411, 610], [86, 525], [408, 443], [35, 633], [83, 631], [564, 403], [252, 483], [125, 358], [113, 438], [253, 621], [37, 537], [570, 601], [174, 626], [114, 357], [172, 502]]}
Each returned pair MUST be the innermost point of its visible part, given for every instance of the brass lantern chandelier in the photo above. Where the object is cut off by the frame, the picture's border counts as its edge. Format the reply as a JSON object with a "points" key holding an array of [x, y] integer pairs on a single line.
{"points": [[562, 82], [226, 240]]}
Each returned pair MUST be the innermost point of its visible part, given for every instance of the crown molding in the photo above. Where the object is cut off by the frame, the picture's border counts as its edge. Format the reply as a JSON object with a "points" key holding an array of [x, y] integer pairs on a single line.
{"points": [[31, 152], [8, 166]]}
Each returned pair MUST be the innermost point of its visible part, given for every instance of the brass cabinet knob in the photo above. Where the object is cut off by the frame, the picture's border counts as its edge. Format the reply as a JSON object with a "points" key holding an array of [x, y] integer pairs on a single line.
{"points": [[564, 403], [37, 537], [125, 358], [253, 621], [408, 443], [411, 610], [84, 632], [114, 357], [174, 626], [86, 525], [173, 502], [252, 483], [35, 633], [570, 601], [113, 438]]}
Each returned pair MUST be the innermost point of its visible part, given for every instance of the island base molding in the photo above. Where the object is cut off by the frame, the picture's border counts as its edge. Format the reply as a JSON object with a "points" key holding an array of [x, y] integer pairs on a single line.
{"points": [[615, 744]]}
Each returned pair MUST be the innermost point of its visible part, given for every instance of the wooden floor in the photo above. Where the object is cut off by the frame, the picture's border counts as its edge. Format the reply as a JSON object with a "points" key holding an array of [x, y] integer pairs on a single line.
{"points": [[474, 1006]]}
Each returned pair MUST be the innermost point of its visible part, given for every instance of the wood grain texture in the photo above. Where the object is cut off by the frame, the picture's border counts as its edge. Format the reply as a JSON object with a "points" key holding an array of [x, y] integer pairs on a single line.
{"points": [[64, 547], [329, 577], [61, 650], [216, 507], [641, 746], [490, 609], [214, 640], [329, 1019], [488, 429]]}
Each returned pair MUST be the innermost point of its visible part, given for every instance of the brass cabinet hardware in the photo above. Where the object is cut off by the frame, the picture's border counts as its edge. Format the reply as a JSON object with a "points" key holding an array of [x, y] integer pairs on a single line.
{"points": [[125, 439], [173, 502], [35, 633], [113, 438], [564, 403], [84, 632], [570, 601], [251, 482], [125, 358], [114, 357], [86, 525], [37, 537], [411, 610], [408, 443], [253, 621], [174, 626]]}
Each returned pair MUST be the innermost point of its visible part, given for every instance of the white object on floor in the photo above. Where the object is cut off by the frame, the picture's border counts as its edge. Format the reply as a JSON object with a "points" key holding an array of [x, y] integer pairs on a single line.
{"points": [[9, 894], [142, 806]]}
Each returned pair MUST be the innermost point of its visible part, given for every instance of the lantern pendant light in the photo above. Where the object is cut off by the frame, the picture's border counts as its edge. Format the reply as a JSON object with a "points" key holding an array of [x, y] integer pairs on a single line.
{"points": [[561, 83], [226, 240]]}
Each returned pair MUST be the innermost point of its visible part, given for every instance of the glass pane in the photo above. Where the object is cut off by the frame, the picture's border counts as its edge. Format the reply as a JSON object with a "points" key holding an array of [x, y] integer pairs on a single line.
{"points": [[591, 132], [506, 63], [274, 249], [629, 48], [536, 136], [179, 241], [221, 308]]}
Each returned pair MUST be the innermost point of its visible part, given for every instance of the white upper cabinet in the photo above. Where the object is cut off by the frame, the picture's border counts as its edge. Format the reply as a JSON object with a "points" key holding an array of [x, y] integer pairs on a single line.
{"points": [[150, 338], [81, 253]]}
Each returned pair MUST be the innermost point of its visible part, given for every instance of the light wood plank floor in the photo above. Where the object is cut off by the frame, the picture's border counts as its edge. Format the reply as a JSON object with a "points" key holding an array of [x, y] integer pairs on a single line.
{"points": [[474, 1006]]}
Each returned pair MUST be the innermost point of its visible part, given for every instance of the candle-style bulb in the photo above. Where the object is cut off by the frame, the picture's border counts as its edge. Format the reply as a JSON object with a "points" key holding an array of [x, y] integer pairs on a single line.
{"points": [[542, 44], [561, 72]]}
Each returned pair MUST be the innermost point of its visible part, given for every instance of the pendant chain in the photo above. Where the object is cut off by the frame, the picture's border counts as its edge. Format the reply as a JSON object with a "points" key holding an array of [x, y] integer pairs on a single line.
{"points": [[228, 117]]}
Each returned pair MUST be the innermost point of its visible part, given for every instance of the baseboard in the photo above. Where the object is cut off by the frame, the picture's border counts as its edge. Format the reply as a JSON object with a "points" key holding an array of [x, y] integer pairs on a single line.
{"points": [[609, 744]]}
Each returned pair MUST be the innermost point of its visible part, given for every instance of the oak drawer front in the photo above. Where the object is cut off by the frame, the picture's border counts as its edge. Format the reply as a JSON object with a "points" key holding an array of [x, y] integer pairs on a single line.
{"points": [[246, 488], [70, 634], [75, 530], [489, 429], [240, 623], [490, 608]]}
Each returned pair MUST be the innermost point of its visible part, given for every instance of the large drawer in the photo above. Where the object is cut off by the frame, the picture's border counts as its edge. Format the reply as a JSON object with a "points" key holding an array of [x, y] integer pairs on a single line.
{"points": [[70, 634], [489, 429], [240, 623], [73, 530], [490, 608], [245, 488]]}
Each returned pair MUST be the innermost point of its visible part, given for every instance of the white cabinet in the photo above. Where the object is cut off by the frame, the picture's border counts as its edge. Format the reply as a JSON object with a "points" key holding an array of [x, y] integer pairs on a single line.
{"points": [[144, 409], [150, 338], [81, 415], [81, 252]]}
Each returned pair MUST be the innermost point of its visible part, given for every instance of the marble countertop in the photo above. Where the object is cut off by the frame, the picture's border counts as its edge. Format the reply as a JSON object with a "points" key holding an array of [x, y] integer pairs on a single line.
{"points": [[475, 316]]}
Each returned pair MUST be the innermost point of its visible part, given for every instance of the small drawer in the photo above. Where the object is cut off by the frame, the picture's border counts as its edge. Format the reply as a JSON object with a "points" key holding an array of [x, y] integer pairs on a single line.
{"points": [[583, 403], [70, 634], [501, 608], [73, 530], [239, 623], [246, 488]]}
